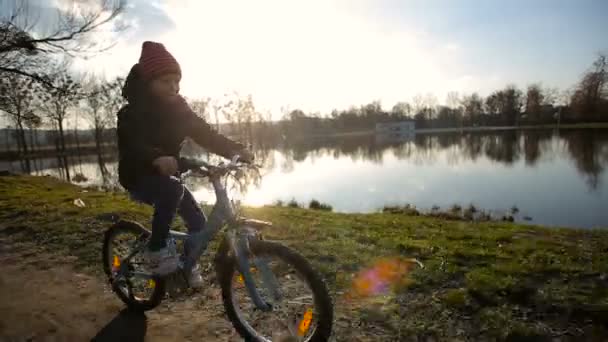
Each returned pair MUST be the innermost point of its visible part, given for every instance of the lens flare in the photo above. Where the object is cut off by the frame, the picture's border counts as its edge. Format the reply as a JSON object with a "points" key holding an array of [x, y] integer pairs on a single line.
{"points": [[382, 276]]}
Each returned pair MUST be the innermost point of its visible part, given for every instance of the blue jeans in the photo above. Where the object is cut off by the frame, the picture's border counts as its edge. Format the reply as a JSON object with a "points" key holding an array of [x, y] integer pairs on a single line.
{"points": [[168, 196]]}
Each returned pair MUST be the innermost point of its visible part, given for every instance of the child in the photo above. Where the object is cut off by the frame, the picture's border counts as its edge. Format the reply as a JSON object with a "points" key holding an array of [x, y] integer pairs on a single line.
{"points": [[151, 129]]}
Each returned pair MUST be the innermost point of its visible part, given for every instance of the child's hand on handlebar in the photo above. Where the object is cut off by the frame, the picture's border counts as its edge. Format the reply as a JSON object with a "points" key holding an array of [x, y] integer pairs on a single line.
{"points": [[245, 156], [166, 165]]}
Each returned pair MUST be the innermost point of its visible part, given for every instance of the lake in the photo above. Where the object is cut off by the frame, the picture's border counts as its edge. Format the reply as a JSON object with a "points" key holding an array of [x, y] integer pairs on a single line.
{"points": [[555, 178]]}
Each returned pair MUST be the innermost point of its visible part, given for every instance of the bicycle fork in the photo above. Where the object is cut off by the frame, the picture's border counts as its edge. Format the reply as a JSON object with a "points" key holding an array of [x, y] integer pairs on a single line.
{"points": [[242, 252]]}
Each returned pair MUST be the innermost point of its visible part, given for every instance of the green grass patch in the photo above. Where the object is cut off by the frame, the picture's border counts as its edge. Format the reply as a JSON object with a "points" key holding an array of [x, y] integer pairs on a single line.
{"points": [[481, 280]]}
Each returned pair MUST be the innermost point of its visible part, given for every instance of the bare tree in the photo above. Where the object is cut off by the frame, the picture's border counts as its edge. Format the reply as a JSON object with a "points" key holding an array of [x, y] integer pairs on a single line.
{"points": [[565, 96], [240, 112], [402, 110], [246, 114], [472, 107], [453, 100], [33, 122], [506, 104], [592, 90], [455, 105], [550, 96], [534, 101], [17, 101], [59, 97], [424, 107], [418, 104], [26, 41], [102, 102], [430, 106], [201, 107], [113, 100], [93, 109], [217, 109]]}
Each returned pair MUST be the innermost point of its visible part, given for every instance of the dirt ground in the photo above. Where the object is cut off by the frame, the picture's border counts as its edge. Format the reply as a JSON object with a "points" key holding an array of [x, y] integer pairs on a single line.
{"points": [[42, 298]]}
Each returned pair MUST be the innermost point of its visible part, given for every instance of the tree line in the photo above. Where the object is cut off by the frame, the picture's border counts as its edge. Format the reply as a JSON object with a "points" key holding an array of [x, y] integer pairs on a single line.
{"points": [[38, 90], [587, 101]]}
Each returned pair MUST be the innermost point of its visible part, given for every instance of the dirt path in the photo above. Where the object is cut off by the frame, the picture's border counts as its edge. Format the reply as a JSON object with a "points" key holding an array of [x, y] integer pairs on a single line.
{"points": [[42, 298]]}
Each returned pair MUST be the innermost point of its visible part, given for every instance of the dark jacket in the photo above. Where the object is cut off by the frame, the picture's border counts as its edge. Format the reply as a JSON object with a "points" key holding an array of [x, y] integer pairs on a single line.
{"points": [[148, 132]]}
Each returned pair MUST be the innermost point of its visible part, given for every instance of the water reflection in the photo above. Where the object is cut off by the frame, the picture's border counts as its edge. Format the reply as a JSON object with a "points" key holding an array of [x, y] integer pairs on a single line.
{"points": [[547, 173], [587, 148], [99, 170], [589, 151]]}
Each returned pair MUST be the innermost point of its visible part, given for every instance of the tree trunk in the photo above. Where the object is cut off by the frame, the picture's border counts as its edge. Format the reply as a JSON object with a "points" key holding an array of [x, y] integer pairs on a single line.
{"points": [[98, 139], [15, 135], [36, 141], [77, 145], [23, 141], [76, 138], [31, 139], [56, 140], [66, 166], [21, 136], [61, 135], [7, 140], [250, 132], [105, 174]]}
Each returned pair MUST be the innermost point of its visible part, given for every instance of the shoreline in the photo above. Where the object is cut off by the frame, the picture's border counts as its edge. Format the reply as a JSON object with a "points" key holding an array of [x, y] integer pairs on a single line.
{"points": [[50, 151]]}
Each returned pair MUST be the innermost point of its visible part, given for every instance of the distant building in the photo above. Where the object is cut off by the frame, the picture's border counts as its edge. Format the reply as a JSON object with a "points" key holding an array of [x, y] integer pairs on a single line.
{"points": [[396, 128], [387, 132]]}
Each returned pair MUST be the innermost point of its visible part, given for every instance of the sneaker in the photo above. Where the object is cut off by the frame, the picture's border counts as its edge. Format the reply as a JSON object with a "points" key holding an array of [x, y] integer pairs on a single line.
{"points": [[161, 262], [196, 279]]}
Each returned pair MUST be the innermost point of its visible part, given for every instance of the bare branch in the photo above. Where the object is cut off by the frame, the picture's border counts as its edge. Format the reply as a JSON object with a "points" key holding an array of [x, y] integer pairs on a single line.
{"points": [[23, 48], [33, 76]]}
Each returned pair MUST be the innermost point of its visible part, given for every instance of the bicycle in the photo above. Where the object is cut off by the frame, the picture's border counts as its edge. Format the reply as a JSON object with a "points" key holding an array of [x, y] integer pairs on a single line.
{"points": [[243, 261]]}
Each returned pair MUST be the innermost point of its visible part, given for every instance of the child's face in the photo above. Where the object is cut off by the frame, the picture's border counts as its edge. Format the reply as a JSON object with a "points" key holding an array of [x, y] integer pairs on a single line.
{"points": [[165, 86]]}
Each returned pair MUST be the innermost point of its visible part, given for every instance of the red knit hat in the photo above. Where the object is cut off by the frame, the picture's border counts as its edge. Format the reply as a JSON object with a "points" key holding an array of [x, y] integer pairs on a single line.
{"points": [[155, 60]]}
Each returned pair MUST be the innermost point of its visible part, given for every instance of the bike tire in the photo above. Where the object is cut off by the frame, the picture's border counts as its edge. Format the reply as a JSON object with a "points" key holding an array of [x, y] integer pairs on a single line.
{"points": [[158, 293], [322, 298]]}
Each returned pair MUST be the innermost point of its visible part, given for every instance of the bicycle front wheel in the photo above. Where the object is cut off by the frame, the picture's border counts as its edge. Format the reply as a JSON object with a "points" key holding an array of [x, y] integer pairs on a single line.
{"points": [[304, 309]]}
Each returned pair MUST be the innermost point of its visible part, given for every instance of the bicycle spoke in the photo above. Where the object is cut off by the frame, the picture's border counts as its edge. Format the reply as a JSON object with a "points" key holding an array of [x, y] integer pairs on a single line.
{"points": [[125, 251], [294, 313]]}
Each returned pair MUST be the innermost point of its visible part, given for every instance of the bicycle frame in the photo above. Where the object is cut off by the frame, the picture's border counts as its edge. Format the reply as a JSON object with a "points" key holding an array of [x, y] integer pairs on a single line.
{"points": [[236, 242]]}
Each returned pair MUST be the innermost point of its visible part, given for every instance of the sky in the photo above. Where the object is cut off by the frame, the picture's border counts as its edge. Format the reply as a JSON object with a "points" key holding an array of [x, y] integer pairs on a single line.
{"points": [[318, 55]]}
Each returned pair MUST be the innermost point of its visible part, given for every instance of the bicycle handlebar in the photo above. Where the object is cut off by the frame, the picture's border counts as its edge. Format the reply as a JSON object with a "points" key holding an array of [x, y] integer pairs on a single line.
{"points": [[201, 167]]}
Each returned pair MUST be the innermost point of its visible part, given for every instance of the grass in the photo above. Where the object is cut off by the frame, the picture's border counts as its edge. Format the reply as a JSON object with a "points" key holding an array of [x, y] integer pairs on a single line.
{"points": [[481, 281]]}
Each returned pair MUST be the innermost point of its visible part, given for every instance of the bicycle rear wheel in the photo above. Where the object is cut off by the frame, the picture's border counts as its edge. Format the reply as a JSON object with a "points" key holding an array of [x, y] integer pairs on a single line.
{"points": [[304, 311], [140, 294]]}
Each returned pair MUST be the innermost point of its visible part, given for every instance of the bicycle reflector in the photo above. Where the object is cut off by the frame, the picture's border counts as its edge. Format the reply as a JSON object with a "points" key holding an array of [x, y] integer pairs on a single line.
{"points": [[305, 323], [240, 278], [116, 262]]}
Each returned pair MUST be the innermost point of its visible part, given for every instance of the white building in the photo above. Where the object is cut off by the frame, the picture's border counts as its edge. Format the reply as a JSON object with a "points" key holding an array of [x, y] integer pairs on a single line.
{"points": [[396, 128], [400, 131]]}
